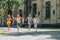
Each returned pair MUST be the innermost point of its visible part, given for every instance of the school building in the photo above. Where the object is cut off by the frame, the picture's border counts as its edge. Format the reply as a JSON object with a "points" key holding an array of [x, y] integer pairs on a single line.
{"points": [[47, 10]]}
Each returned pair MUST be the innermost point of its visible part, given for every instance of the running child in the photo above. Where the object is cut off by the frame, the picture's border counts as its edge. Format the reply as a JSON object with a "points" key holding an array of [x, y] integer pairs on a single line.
{"points": [[9, 22], [36, 21], [18, 20], [29, 18]]}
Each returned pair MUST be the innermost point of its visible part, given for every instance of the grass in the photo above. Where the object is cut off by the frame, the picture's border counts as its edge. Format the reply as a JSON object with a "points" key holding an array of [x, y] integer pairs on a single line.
{"points": [[2, 32]]}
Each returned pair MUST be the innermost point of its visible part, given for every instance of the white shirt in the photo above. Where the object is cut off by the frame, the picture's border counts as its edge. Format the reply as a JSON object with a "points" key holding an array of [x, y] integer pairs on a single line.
{"points": [[29, 20], [36, 20], [18, 20]]}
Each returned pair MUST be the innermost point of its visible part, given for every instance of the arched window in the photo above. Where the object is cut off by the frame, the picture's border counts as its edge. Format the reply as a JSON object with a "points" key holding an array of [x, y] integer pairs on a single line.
{"points": [[34, 9], [48, 9]]}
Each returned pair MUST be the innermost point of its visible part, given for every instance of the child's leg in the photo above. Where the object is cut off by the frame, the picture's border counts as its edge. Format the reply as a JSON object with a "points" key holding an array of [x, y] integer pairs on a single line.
{"points": [[35, 25], [29, 26], [18, 27], [8, 27]]}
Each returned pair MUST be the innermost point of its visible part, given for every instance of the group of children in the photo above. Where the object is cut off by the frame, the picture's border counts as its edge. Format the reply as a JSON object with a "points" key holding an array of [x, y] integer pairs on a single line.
{"points": [[19, 19]]}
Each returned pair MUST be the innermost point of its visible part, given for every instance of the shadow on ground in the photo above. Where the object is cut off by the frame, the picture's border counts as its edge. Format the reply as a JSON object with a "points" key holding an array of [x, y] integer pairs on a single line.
{"points": [[54, 34]]}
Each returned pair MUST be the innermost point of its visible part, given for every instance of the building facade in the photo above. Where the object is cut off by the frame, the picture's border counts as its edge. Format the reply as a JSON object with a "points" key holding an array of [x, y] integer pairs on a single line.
{"points": [[47, 10]]}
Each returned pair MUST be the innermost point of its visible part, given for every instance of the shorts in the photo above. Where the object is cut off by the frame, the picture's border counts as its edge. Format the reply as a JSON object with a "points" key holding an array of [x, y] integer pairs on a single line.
{"points": [[18, 24], [35, 25], [29, 22]]}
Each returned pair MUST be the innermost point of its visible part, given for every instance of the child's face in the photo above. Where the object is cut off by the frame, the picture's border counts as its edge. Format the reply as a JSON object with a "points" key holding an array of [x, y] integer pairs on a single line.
{"points": [[17, 15], [8, 15], [29, 15]]}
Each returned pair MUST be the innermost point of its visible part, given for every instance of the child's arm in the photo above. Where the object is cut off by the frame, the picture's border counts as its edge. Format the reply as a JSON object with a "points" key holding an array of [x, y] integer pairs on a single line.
{"points": [[23, 20], [38, 20], [26, 19], [13, 18]]}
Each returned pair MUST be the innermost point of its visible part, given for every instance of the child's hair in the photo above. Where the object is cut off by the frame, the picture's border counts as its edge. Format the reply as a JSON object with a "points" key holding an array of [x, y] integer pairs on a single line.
{"points": [[17, 15], [30, 14]]}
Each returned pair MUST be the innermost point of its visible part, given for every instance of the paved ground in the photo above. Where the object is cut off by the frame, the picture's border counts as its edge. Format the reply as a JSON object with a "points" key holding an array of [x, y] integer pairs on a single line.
{"points": [[24, 34]]}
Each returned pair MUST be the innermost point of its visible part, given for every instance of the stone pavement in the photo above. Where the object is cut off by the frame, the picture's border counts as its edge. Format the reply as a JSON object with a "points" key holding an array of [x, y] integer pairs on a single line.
{"points": [[24, 34]]}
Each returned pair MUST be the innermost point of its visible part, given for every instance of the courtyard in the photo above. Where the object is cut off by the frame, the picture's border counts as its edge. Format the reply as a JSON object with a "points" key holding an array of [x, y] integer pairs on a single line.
{"points": [[24, 34]]}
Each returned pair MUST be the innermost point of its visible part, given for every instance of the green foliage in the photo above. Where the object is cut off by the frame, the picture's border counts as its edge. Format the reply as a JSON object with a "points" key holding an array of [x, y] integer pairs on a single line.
{"points": [[1, 14], [5, 4]]}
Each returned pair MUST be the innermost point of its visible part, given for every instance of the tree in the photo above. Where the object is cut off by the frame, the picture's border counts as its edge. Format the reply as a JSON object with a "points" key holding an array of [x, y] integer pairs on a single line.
{"points": [[8, 4]]}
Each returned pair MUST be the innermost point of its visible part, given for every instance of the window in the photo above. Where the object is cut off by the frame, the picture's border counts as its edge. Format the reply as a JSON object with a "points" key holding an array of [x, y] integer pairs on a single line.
{"points": [[38, 13], [53, 11], [58, 6], [34, 7], [47, 12]]}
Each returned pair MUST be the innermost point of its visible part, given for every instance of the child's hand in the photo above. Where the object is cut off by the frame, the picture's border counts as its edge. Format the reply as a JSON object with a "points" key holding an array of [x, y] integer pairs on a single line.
{"points": [[12, 17], [26, 19], [23, 20]]}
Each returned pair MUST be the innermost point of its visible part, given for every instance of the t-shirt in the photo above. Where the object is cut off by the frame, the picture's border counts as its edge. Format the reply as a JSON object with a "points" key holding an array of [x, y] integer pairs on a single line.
{"points": [[29, 19], [18, 20], [36, 20]]}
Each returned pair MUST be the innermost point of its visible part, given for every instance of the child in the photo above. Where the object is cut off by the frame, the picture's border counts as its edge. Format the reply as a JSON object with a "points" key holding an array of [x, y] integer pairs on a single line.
{"points": [[29, 18], [36, 21], [18, 20], [9, 22]]}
